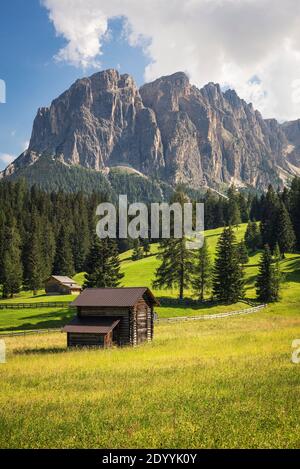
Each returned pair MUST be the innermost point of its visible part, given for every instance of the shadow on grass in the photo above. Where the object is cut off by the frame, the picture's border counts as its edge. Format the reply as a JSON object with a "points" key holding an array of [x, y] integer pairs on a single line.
{"points": [[196, 304], [41, 351], [186, 302], [294, 266], [47, 321]]}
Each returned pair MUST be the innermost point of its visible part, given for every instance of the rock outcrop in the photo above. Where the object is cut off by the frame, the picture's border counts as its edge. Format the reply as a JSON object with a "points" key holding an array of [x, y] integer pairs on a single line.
{"points": [[168, 129]]}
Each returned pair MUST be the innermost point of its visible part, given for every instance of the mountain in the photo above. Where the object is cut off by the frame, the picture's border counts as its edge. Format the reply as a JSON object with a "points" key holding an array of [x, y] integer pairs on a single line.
{"points": [[167, 130]]}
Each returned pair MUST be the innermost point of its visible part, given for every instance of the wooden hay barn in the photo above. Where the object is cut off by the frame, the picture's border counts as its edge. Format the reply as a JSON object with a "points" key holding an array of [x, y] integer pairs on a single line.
{"points": [[60, 285], [107, 316]]}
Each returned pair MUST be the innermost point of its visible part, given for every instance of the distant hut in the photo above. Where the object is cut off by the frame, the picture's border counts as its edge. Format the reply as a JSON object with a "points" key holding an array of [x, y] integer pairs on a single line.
{"points": [[107, 316], [59, 285]]}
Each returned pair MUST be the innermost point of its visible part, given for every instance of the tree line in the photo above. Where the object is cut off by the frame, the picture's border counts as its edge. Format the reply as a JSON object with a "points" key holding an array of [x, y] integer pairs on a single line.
{"points": [[44, 233], [276, 233], [222, 280]]}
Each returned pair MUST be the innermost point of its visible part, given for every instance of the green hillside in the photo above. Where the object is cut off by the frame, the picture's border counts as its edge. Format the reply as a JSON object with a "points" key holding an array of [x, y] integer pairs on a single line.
{"points": [[52, 175], [141, 273], [224, 383]]}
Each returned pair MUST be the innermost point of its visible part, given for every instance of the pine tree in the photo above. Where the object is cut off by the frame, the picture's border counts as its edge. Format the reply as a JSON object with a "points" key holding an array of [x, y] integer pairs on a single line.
{"points": [[146, 247], [81, 235], [202, 272], [137, 252], [2, 244], [277, 256], [176, 268], [35, 261], [103, 264], [252, 237], [233, 209], [80, 245], [286, 238], [242, 253], [268, 279], [294, 201], [244, 206], [228, 283], [48, 247], [270, 212], [63, 262], [12, 270]]}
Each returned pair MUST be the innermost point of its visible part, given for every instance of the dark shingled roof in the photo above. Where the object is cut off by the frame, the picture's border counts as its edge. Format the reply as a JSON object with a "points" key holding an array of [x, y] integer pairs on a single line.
{"points": [[114, 297], [91, 325]]}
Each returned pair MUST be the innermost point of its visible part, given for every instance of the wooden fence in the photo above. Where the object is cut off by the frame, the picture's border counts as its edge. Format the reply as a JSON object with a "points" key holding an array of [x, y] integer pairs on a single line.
{"points": [[202, 317], [157, 320], [34, 331], [35, 305]]}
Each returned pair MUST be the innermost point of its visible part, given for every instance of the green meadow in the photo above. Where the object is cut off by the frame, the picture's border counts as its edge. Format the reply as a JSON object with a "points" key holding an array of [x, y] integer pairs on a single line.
{"points": [[222, 383], [136, 273], [140, 273]]}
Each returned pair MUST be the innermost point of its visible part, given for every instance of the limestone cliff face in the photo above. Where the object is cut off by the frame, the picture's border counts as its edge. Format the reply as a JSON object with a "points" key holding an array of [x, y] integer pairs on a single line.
{"points": [[168, 128], [292, 150], [218, 138], [100, 121]]}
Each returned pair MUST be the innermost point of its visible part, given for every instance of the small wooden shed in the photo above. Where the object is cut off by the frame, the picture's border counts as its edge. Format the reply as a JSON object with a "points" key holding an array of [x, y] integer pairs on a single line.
{"points": [[106, 316], [61, 285]]}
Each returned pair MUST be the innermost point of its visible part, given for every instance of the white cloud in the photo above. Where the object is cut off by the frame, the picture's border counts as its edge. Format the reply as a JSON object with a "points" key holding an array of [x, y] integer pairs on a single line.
{"points": [[25, 145], [226, 41], [6, 158]]}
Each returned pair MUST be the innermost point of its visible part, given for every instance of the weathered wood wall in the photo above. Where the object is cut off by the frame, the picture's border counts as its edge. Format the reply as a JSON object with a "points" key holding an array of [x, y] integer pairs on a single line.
{"points": [[122, 313], [97, 340], [141, 322], [136, 324]]}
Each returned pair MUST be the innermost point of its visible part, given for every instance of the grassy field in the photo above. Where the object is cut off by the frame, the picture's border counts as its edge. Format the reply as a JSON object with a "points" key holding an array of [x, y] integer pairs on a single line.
{"points": [[138, 273], [224, 383]]}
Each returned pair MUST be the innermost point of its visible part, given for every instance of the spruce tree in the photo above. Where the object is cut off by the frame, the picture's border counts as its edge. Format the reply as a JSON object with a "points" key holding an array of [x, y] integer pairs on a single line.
{"points": [[35, 261], [176, 268], [63, 262], [268, 279], [252, 237], [294, 202], [242, 253], [48, 247], [103, 264], [277, 256], [228, 282], [12, 269], [81, 235], [137, 252], [244, 207], [2, 244], [284, 229], [233, 209], [269, 220], [146, 247], [202, 279]]}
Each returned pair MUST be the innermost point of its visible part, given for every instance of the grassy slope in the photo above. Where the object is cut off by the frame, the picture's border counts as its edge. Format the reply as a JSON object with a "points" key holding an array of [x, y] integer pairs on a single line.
{"points": [[138, 273], [225, 383], [222, 383]]}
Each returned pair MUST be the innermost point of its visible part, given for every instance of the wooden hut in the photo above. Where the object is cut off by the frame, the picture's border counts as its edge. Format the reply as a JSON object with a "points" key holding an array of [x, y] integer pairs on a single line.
{"points": [[61, 285], [106, 316]]}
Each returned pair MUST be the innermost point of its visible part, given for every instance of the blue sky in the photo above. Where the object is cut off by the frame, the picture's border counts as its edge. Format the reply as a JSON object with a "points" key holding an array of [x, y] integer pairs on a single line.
{"points": [[250, 46], [28, 43]]}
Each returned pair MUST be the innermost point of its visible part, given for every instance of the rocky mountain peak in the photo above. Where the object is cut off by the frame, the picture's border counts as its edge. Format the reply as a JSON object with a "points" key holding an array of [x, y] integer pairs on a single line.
{"points": [[169, 129], [165, 93]]}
